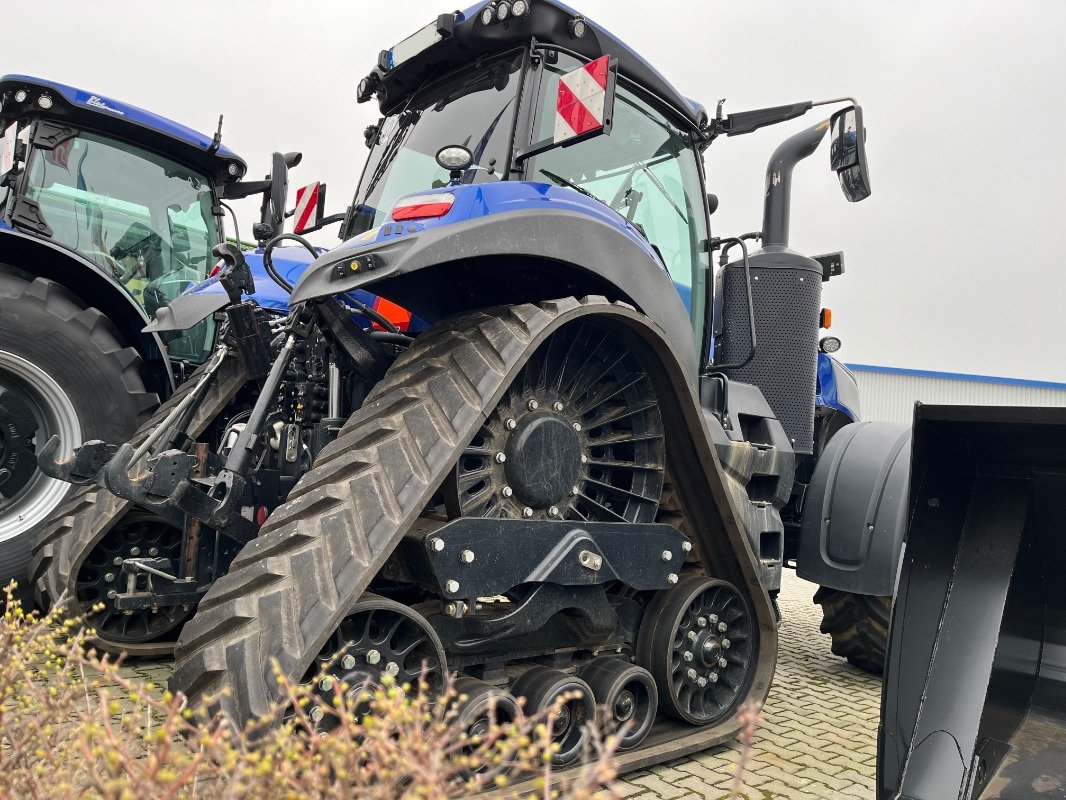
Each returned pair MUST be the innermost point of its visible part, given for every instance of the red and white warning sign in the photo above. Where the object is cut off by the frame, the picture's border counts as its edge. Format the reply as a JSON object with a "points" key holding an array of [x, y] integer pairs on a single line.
{"points": [[306, 206], [582, 99]]}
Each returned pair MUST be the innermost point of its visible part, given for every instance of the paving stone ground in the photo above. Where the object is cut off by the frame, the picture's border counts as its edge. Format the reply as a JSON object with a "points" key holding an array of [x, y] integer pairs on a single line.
{"points": [[818, 738]]}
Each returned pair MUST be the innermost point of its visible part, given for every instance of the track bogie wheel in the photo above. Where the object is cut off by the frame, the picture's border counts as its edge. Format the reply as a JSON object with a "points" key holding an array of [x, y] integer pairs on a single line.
{"points": [[540, 686], [627, 695], [698, 640], [480, 708]]}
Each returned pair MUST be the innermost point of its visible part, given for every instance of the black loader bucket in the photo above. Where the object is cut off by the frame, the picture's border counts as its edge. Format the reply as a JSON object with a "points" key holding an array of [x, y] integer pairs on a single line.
{"points": [[974, 698]]}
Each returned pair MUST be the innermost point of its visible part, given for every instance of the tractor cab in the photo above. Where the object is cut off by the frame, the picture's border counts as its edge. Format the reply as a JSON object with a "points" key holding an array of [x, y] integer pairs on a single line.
{"points": [[133, 194]]}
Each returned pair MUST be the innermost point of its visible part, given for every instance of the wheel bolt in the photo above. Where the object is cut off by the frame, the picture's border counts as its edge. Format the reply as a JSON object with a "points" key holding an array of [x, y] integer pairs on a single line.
{"points": [[714, 677], [671, 578], [511, 424], [348, 662], [553, 512], [667, 555], [722, 627], [532, 405], [687, 655], [153, 551], [557, 406], [117, 561], [726, 644], [527, 512], [109, 577], [723, 663], [714, 619], [701, 681], [436, 544], [451, 587], [501, 457], [507, 491], [577, 426], [316, 714], [692, 675], [373, 657], [702, 622], [392, 668], [112, 594], [584, 459], [692, 636], [326, 685], [467, 556], [135, 551], [574, 490]]}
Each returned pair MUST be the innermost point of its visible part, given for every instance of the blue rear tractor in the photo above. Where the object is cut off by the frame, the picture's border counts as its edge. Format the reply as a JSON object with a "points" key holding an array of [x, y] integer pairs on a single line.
{"points": [[579, 476], [107, 213]]}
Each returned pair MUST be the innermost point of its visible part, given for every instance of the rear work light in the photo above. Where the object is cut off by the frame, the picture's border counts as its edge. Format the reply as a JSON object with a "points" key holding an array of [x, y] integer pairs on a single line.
{"points": [[422, 206]]}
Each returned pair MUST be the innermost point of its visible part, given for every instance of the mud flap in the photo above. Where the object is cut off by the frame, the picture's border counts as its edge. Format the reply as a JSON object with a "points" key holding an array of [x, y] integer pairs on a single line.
{"points": [[974, 701]]}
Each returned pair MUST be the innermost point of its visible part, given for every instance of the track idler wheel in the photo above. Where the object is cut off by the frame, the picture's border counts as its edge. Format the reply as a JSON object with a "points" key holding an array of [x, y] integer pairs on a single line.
{"points": [[540, 686], [628, 696], [100, 579], [480, 707], [379, 637], [698, 641]]}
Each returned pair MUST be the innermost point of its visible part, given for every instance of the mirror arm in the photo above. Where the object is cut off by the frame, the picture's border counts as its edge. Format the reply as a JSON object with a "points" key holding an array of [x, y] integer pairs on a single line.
{"points": [[326, 221], [238, 191]]}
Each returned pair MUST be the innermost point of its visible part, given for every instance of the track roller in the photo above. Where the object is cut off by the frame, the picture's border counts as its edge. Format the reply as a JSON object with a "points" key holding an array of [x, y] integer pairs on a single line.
{"points": [[379, 637], [627, 693], [480, 707], [540, 686], [698, 641]]}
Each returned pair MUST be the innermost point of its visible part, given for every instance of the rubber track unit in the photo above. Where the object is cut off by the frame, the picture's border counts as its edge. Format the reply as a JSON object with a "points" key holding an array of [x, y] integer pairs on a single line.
{"points": [[91, 511], [288, 590], [858, 625]]}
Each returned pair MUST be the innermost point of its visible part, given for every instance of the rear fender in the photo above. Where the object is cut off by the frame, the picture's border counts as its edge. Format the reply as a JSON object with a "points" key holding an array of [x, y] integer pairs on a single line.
{"points": [[501, 258], [33, 257], [855, 510]]}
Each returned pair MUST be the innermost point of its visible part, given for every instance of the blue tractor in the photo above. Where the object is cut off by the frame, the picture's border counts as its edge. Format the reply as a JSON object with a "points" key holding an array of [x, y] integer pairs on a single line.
{"points": [[107, 213], [576, 480]]}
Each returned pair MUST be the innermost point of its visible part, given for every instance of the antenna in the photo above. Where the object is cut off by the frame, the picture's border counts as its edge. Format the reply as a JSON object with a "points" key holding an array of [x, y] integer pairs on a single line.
{"points": [[216, 142]]}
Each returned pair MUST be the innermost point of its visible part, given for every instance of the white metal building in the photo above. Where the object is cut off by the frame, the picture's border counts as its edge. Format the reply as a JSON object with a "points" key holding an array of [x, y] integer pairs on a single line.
{"points": [[889, 393]]}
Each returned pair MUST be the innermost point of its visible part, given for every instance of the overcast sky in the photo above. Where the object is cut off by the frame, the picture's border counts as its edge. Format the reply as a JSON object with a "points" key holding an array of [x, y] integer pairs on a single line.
{"points": [[953, 264]]}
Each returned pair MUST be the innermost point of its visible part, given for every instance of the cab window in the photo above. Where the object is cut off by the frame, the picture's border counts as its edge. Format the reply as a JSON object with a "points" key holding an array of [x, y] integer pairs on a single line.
{"points": [[644, 169]]}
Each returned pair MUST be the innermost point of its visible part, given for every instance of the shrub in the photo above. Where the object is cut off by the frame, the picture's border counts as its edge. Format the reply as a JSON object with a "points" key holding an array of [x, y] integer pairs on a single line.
{"points": [[73, 724]]}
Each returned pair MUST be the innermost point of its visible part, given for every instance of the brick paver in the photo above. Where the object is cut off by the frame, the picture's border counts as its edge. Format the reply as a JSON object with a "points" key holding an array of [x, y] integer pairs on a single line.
{"points": [[817, 740], [819, 733]]}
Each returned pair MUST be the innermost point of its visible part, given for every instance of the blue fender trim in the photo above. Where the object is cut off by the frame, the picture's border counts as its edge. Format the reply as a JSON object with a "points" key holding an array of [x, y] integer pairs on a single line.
{"points": [[837, 388]]}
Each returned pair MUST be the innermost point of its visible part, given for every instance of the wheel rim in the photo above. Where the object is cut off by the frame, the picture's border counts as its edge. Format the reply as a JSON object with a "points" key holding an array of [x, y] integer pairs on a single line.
{"points": [[699, 648], [379, 637], [584, 407], [138, 535], [28, 498]]}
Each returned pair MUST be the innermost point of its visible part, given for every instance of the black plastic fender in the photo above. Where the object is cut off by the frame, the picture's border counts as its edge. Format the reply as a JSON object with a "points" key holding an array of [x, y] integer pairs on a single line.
{"points": [[37, 257], [855, 510], [503, 259]]}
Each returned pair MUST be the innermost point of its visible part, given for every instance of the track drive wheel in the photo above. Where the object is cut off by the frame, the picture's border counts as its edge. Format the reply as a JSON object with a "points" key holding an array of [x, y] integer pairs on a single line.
{"points": [[698, 639], [379, 637], [627, 694], [858, 626], [541, 686]]}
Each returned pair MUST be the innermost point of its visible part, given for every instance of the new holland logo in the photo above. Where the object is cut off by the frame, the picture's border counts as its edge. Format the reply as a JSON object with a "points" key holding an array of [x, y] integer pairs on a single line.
{"points": [[97, 102]]}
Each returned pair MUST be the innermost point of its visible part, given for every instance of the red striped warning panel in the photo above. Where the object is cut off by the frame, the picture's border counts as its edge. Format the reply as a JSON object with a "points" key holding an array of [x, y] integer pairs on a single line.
{"points": [[580, 104], [306, 205]]}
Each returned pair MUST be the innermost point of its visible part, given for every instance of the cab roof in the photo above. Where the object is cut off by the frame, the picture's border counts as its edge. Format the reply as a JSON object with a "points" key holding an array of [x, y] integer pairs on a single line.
{"points": [[96, 112], [547, 22]]}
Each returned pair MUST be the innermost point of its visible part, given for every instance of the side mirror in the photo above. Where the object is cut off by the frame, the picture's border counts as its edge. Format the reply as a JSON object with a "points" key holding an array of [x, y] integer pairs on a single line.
{"points": [[279, 191], [847, 153]]}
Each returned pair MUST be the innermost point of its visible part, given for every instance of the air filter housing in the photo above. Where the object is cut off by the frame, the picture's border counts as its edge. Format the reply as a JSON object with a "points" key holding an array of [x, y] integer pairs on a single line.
{"points": [[786, 290]]}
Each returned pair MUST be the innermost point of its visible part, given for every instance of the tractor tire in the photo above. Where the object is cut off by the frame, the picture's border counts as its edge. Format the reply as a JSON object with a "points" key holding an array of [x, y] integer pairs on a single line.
{"points": [[63, 371], [858, 626], [82, 523]]}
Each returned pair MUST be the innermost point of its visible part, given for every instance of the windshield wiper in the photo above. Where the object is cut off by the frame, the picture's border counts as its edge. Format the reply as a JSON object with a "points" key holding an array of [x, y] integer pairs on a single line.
{"points": [[561, 181]]}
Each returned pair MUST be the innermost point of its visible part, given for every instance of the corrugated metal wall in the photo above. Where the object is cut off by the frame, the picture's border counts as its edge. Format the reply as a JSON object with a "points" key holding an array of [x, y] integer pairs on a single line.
{"points": [[891, 397]]}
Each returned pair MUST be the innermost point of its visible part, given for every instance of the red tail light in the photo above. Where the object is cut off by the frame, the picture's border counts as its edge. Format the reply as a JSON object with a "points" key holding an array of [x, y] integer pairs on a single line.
{"points": [[422, 206]]}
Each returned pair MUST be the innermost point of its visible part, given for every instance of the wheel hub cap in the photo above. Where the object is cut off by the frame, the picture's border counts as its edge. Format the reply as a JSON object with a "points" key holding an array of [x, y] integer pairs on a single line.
{"points": [[543, 460], [624, 706], [17, 429]]}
